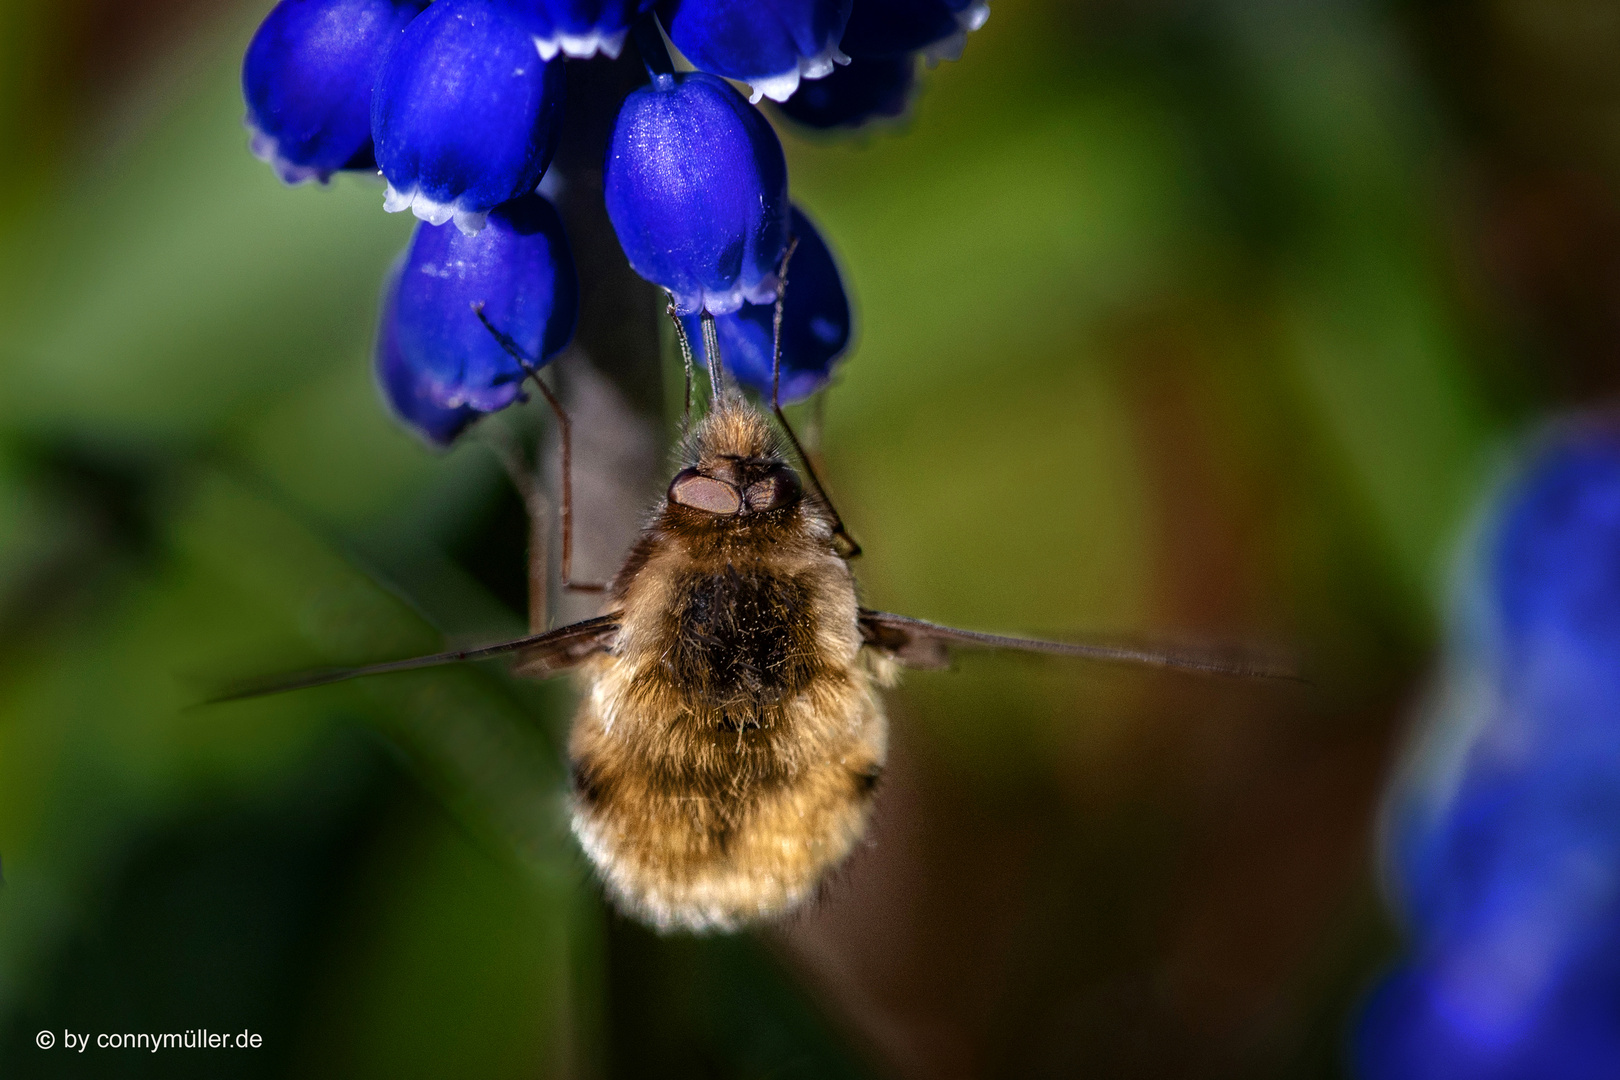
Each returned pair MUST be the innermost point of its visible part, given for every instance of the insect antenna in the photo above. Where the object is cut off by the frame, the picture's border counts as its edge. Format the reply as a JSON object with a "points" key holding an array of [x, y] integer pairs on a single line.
{"points": [[686, 360], [565, 431], [852, 547]]}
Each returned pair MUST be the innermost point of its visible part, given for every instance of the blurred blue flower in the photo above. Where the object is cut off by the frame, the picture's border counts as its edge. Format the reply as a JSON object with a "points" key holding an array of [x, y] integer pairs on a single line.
{"points": [[769, 44], [465, 113], [696, 188], [580, 28], [866, 88], [1503, 833], [815, 325], [406, 387], [519, 267], [307, 79], [937, 28]]}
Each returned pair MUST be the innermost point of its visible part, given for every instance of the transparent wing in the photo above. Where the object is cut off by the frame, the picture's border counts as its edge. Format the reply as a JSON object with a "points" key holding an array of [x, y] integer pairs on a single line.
{"points": [[919, 644], [539, 656]]}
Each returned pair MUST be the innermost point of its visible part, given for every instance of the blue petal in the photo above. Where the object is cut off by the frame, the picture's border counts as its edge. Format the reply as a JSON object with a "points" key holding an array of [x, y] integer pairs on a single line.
{"points": [[1557, 558], [519, 267], [696, 188], [1424, 1023], [307, 79], [1503, 834], [465, 114], [938, 28], [580, 28], [769, 44], [815, 325], [406, 387], [866, 88]]}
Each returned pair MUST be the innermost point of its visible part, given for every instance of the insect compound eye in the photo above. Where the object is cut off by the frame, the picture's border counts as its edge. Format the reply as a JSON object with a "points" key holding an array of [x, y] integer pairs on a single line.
{"points": [[779, 489], [693, 489]]}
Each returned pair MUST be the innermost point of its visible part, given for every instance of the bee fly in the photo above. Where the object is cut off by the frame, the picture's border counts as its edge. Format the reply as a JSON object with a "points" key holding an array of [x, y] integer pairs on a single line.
{"points": [[730, 736]]}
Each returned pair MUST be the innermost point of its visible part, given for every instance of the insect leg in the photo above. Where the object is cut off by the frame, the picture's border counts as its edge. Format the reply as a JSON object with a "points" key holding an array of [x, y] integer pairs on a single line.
{"points": [[853, 548], [776, 325], [686, 360], [565, 431]]}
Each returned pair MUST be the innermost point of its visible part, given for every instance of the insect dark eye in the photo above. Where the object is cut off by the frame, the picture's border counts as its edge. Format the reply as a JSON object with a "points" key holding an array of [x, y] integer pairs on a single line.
{"points": [[691, 488], [780, 488]]}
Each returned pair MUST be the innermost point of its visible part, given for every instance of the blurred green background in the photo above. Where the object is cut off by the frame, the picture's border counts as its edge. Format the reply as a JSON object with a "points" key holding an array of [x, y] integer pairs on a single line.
{"points": [[1178, 317]]}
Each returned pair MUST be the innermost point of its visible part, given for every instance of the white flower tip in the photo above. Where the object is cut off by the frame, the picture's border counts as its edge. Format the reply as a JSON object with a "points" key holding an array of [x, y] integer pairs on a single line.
{"points": [[582, 46], [268, 150], [781, 87], [395, 200], [946, 48], [778, 86], [950, 47], [432, 211], [471, 223]]}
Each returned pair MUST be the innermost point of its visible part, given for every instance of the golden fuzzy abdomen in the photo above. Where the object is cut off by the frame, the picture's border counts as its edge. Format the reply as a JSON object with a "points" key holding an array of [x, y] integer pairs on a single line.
{"points": [[698, 828], [683, 859]]}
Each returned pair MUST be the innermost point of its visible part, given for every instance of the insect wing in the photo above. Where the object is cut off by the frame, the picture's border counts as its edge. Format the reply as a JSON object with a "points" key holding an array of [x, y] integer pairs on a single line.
{"points": [[540, 655], [920, 644]]}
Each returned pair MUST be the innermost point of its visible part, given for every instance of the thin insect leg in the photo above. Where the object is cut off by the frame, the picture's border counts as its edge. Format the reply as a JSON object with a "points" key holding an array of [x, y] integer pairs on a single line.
{"points": [[565, 431], [853, 548], [711, 350], [686, 360], [776, 324]]}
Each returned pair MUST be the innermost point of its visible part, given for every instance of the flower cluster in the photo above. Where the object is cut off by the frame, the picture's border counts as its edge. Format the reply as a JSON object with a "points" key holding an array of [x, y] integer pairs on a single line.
{"points": [[1504, 835], [457, 105]]}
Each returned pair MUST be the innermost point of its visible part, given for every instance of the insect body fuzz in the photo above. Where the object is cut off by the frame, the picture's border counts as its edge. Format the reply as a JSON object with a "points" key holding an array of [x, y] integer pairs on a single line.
{"points": [[725, 752]]}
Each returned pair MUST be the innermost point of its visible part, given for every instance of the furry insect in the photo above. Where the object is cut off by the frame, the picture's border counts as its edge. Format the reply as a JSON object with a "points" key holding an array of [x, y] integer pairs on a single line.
{"points": [[730, 737]]}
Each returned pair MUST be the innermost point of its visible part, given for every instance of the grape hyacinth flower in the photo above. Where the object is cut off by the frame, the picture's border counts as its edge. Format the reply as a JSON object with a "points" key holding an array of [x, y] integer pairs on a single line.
{"points": [[519, 269], [769, 44], [407, 387], [815, 325], [1504, 832], [936, 28], [863, 90], [696, 189], [465, 112], [458, 105], [307, 79], [581, 28]]}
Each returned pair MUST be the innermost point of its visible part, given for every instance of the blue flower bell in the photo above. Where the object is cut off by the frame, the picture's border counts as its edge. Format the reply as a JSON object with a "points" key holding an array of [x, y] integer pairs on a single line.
{"points": [[580, 28], [696, 188], [865, 89], [815, 325], [407, 388], [520, 269], [1503, 834], [936, 28], [307, 80], [769, 44], [465, 113]]}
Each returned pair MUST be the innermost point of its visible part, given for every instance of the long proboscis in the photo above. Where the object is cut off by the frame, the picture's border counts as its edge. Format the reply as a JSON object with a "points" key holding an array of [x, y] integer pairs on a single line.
{"points": [[277, 684], [1245, 665]]}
